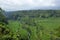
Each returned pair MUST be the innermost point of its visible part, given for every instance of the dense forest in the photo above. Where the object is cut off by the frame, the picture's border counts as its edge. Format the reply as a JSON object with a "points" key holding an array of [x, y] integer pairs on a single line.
{"points": [[30, 25], [33, 14]]}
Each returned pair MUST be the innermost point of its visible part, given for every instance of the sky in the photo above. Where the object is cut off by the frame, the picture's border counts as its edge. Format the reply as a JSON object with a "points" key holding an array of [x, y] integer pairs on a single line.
{"points": [[12, 5]]}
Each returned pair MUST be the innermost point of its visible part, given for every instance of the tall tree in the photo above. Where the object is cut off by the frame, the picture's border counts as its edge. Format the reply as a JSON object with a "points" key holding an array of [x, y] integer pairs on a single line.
{"points": [[2, 17]]}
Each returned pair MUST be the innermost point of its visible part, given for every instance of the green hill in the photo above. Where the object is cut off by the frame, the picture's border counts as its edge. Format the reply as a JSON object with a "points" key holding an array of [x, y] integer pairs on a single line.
{"points": [[31, 25]]}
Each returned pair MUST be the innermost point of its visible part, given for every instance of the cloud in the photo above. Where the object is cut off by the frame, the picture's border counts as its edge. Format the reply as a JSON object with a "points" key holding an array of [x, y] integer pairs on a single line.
{"points": [[27, 4]]}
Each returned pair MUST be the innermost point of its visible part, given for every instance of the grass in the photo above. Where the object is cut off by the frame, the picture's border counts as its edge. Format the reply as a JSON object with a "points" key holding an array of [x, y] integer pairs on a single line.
{"points": [[48, 25]]}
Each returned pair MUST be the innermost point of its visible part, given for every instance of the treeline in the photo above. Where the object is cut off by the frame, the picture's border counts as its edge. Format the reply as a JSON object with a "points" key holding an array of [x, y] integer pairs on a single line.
{"points": [[33, 14]]}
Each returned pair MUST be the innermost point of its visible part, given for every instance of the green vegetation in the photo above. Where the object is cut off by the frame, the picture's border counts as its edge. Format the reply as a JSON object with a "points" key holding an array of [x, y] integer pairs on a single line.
{"points": [[30, 25]]}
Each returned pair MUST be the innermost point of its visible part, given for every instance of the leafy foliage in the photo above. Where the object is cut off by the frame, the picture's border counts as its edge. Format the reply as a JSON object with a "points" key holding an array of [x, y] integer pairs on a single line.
{"points": [[30, 25]]}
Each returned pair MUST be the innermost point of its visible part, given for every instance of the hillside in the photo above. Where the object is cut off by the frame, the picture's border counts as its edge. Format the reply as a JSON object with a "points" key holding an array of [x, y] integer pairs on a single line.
{"points": [[33, 13], [30, 25]]}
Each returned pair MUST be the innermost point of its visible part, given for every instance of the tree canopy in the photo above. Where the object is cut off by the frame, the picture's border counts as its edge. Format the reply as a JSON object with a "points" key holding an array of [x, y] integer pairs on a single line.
{"points": [[2, 17]]}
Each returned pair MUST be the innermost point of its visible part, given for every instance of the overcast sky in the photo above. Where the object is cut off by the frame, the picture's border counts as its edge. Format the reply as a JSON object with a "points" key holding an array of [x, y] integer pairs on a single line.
{"points": [[11, 5]]}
